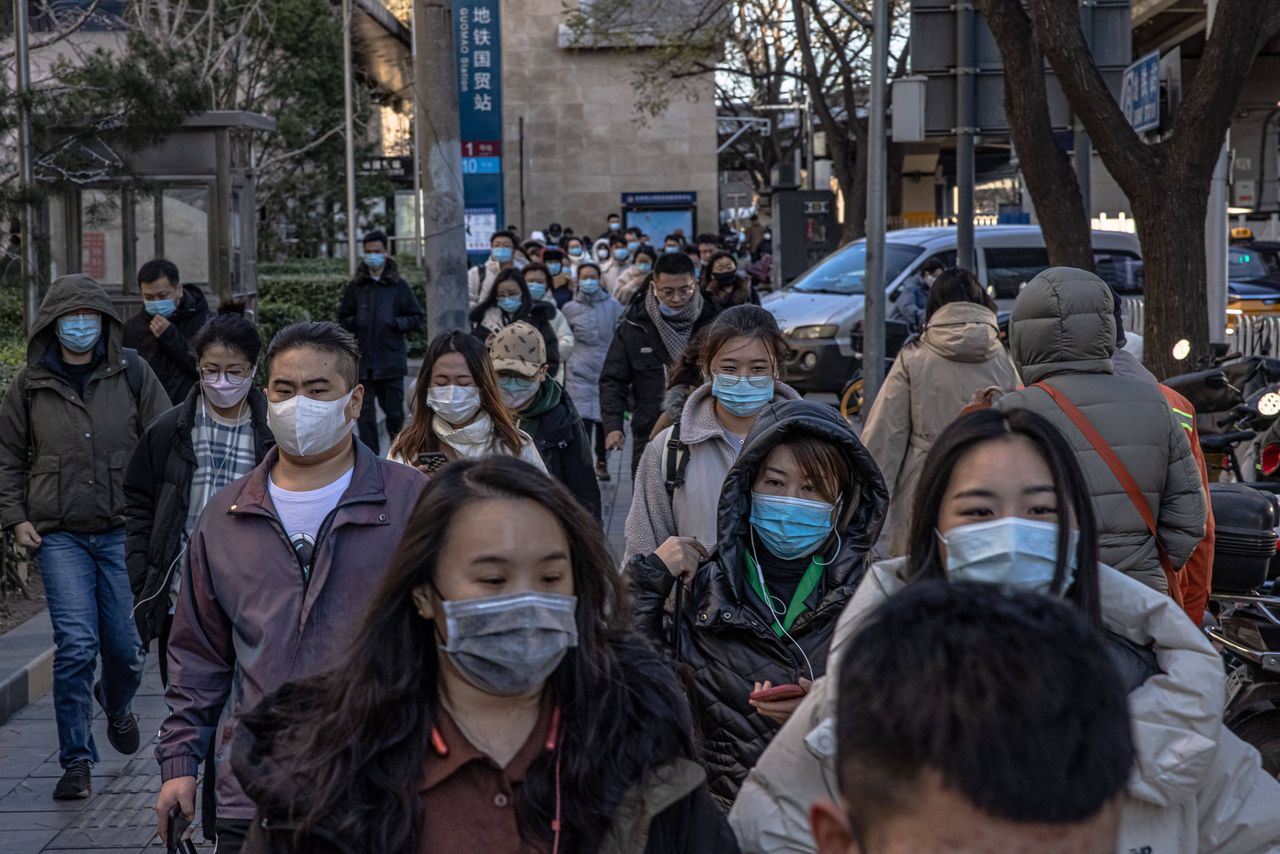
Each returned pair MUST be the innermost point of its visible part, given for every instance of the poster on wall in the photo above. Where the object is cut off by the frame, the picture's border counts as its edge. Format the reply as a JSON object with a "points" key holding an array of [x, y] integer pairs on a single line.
{"points": [[477, 39]]}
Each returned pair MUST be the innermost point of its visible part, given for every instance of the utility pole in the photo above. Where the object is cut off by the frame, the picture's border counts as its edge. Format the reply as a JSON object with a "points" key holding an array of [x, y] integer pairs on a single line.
{"points": [[417, 149], [440, 153], [965, 130], [26, 170], [873, 311], [1215, 228], [348, 107]]}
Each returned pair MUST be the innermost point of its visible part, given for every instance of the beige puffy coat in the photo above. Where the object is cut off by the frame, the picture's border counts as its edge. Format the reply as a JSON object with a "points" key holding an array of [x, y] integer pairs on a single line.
{"points": [[1196, 787], [931, 382]]}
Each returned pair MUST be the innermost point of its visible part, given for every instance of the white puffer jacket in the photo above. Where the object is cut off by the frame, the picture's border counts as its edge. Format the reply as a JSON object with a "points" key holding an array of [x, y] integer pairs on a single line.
{"points": [[1196, 787]]}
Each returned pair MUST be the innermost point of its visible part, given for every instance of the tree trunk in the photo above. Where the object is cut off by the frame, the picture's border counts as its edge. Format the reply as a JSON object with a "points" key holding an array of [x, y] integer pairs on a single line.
{"points": [[1050, 178]]}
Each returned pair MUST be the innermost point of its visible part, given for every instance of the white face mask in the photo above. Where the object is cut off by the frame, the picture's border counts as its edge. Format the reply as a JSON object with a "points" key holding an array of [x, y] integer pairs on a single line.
{"points": [[1012, 551], [304, 426], [454, 403]]}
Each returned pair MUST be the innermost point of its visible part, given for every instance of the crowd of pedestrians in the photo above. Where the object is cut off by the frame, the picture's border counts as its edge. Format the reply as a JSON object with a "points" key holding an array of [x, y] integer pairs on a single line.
{"points": [[964, 627]]}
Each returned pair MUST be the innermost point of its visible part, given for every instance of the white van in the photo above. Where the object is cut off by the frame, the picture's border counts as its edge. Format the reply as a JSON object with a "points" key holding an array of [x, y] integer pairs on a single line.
{"points": [[817, 311]]}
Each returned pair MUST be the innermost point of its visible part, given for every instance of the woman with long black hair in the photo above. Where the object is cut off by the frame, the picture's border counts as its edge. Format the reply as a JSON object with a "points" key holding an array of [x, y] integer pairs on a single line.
{"points": [[493, 700], [510, 301]]}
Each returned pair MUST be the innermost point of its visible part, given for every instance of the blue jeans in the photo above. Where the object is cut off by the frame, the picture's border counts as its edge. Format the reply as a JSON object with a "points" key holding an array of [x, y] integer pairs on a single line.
{"points": [[90, 603]]}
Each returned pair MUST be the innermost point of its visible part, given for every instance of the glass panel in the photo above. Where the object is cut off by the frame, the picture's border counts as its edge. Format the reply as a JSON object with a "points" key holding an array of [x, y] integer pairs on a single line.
{"points": [[1244, 264], [843, 272], [101, 237], [186, 232], [144, 222], [1121, 270], [236, 243], [1008, 270]]}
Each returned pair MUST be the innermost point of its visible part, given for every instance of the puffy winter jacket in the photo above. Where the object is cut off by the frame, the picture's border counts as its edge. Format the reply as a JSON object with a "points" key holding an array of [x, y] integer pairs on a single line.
{"points": [[1063, 333], [930, 383], [1196, 787], [593, 320], [724, 636], [63, 454], [691, 511], [635, 371], [157, 491], [553, 423], [170, 355], [380, 312]]}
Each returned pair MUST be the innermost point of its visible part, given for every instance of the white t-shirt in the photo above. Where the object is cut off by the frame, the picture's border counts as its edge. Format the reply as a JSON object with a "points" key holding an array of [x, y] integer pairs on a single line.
{"points": [[302, 513]]}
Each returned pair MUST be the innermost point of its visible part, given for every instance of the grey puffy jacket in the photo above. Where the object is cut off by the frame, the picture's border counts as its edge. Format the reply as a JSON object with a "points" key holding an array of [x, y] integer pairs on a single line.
{"points": [[1063, 333]]}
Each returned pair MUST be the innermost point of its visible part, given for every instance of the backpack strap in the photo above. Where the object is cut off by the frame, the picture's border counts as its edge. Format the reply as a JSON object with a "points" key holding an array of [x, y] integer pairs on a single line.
{"points": [[133, 373], [675, 460], [1113, 461]]}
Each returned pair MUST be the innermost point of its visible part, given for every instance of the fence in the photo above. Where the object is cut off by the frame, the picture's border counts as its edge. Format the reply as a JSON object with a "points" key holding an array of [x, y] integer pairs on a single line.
{"points": [[1251, 336]]}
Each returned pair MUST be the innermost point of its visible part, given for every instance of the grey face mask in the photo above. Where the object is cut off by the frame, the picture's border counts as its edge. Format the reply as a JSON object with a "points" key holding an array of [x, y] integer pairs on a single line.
{"points": [[509, 645]]}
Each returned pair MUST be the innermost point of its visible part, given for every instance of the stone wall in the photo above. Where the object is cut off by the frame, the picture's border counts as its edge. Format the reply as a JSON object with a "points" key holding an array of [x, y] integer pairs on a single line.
{"points": [[584, 142]]}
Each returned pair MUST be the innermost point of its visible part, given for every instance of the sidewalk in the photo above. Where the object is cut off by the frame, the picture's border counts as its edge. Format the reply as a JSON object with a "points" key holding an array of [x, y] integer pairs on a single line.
{"points": [[120, 817]]}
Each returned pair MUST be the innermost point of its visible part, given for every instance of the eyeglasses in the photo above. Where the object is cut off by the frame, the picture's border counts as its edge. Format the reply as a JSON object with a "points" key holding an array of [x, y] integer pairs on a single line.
{"points": [[233, 374], [671, 293], [757, 381]]}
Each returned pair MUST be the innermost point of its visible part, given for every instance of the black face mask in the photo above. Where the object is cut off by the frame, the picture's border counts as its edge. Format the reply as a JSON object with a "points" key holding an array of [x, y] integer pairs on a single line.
{"points": [[725, 279]]}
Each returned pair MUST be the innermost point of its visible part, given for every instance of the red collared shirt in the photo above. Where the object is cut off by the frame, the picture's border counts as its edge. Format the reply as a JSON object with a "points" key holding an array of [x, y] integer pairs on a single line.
{"points": [[468, 801]]}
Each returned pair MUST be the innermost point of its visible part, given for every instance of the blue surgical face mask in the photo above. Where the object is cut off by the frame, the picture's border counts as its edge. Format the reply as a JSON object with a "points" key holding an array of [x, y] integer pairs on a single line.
{"points": [[791, 527], [516, 392], [1012, 551], [742, 396], [80, 332], [633, 245], [614, 226], [502, 254], [644, 267], [375, 260], [589, 286], [537, 290], [510, 304], [697, 271], [670, 249], [621, 254], [554, 267], [162, 307], [575, 251], [667, 311]]}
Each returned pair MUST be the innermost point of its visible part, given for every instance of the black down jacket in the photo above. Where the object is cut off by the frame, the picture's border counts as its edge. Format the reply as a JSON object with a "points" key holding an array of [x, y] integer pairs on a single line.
{"points": [[171, 355], [157, 492], [380, 312], [635, 370], [724, 635], [561, 439]]}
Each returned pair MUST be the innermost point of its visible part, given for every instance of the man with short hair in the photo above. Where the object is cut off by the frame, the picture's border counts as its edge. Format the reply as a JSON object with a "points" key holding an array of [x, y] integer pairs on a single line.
{"points": [[379, 308], [672, 243], [614, 223], [502, 256], [172, 313], [652, 334], [708, 245], [977, 719], [69, 422], [280, 567], [633, 236]]}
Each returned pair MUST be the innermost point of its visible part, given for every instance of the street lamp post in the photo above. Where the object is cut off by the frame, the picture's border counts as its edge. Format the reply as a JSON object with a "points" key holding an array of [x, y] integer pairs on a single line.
{"points": [[349, 119], [873, 349], [26, 169]]}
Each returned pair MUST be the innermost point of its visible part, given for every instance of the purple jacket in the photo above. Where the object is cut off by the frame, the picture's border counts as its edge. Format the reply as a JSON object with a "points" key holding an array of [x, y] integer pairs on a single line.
{"points": [[246, 623]]}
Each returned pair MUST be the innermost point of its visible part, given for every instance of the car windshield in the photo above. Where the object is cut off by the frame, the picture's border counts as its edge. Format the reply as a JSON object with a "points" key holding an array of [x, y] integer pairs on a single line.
{"points": [[1245, 264], [843, 272]]}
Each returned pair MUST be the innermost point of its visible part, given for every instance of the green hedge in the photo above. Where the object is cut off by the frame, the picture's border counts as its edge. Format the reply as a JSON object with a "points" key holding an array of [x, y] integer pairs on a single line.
{"points": [[13, 343]]}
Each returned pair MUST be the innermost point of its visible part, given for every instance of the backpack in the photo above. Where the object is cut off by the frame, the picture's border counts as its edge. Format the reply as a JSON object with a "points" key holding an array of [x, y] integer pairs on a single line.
{"points": [[132, 376]]}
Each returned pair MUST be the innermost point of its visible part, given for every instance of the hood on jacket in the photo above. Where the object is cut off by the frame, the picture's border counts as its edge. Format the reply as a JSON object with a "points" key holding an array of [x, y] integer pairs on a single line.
{"points": [[963, 332], [859, 527], [1063, 322], [69, 293], [698, 421], [193, 302]]}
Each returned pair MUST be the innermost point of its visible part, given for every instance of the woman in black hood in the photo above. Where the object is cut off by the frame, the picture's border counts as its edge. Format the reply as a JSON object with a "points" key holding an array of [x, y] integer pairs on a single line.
{"points": [[798, 515]]}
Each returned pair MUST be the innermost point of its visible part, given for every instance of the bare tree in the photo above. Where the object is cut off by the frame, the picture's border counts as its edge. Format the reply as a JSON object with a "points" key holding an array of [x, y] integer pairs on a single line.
{"points": [[1167, 182]]}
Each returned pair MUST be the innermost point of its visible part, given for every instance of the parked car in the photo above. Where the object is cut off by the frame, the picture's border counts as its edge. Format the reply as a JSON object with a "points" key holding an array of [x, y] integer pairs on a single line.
{"points": [[1253, 284], [817, 311]]}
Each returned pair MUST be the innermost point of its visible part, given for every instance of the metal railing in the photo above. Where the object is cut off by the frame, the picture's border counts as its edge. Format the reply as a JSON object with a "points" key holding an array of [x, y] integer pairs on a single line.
{"points": [[1251, 335]]}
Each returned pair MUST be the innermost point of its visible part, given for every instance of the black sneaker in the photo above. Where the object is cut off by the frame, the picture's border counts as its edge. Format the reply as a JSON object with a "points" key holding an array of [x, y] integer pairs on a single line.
{"points": [[122, 732], [74, 785]]}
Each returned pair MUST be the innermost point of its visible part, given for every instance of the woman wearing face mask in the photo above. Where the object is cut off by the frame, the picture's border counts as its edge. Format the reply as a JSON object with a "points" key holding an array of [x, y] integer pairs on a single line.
{"points": [[576, 253], [561, 275], [457, 411], [933, 378], [493, 700], [216, 436], [636, 278], [539, 282], [593, 316], [511, 301], [722, 282], [676, 491], [1003, 501], [617, 259], [800, 510]]}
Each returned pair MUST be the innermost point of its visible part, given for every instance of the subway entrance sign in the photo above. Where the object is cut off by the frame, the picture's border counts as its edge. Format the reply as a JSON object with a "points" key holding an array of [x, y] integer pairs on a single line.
{"points": [[477, 40]]}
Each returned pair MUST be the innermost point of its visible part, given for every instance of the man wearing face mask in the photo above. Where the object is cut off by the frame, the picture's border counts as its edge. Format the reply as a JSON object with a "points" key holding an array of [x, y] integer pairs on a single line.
{"points": [[502, 256], [280, 566], [544, 411], [172, 313], [68, 423], [379, 308], [913, 300]]}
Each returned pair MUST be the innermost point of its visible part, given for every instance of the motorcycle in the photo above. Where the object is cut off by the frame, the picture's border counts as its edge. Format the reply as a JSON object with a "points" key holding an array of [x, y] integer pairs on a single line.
{"points": [[1235, 402]]}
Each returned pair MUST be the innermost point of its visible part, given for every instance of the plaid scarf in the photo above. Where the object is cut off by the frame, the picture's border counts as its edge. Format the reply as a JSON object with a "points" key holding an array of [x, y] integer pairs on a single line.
{"points": [[224, 453], [674, 329]]}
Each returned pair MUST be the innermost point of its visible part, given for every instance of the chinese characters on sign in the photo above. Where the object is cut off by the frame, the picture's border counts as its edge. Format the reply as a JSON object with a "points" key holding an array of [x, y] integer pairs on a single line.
{"points": [[478, 42], [1140, 93]]}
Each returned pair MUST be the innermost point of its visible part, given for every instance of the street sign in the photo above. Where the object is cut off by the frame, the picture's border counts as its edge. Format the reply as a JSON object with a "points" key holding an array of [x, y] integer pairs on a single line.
{"points": [[389, 167], [1140, 93], [477, 39], [660, 198]]}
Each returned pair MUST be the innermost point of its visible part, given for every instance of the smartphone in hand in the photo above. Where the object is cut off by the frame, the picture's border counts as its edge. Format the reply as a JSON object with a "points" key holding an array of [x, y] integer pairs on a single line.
{"points": [[432, 461], [777, 692]]}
